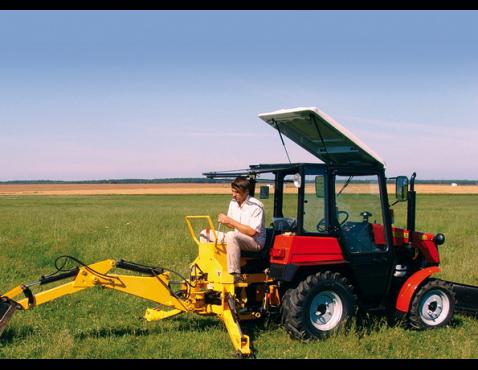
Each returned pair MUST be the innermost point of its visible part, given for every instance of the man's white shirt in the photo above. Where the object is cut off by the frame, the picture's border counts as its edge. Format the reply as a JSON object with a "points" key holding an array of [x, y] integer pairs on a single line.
{"points": [[251, 213]]}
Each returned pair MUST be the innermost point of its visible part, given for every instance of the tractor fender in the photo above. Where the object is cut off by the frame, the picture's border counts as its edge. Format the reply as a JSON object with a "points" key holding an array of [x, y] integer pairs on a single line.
{"points": [[410, 286]]}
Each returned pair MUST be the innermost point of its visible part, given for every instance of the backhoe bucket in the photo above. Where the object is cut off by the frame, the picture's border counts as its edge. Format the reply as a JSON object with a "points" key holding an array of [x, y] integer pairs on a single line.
{"points": [[7, 309]]}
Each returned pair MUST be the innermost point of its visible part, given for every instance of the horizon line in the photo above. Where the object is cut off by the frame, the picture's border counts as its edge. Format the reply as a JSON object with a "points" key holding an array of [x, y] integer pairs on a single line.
{"points": [[180, 179]]}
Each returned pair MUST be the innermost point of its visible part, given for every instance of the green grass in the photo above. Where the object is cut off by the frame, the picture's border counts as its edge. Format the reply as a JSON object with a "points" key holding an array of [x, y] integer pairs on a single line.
{"points": [[99, 323]]}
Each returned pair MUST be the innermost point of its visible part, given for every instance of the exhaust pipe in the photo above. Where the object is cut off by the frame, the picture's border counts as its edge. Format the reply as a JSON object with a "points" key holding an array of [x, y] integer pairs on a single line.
{"points": [[7, 309]]}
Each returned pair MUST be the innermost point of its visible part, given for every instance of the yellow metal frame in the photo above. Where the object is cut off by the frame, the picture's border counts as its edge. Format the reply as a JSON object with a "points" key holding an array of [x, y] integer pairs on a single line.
{"points": [[152, 288], [208, 276], [188, 220]]}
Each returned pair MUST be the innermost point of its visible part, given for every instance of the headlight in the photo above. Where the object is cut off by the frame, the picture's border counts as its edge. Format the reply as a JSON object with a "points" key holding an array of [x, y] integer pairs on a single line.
{"points": [[439, 239]]}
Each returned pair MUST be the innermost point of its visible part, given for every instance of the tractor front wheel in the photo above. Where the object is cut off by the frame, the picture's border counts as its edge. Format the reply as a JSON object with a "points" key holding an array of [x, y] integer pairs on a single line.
{"points": [[321, 304], [433, 306]]}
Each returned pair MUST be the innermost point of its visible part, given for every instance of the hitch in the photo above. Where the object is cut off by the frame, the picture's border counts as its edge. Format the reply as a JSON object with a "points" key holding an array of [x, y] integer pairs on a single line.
{"points": [[7, 308]]}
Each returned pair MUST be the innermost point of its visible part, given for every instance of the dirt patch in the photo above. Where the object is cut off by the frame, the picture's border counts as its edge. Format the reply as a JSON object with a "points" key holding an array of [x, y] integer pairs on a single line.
{"points": [[115, 189], [112, 189], [442, 189]]}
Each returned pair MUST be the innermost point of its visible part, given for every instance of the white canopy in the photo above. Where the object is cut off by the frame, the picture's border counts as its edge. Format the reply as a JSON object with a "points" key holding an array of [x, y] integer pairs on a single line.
{"points": [[322, 136]]}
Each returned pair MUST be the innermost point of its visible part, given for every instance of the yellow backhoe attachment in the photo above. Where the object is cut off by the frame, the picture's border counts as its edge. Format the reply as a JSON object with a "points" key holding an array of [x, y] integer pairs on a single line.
{"points": [[210, 290]]}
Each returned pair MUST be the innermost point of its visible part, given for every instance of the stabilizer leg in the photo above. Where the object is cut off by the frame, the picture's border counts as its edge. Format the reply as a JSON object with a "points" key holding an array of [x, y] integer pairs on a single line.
{"points": [[231, 320]]}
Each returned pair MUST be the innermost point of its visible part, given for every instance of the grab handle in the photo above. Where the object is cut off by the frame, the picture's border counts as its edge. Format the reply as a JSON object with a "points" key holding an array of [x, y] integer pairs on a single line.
{"points": [[191, 230]]}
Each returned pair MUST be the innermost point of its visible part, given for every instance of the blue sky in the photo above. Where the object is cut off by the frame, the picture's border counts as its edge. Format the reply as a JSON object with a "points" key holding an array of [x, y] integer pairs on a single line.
{"points": [[153, 94]]}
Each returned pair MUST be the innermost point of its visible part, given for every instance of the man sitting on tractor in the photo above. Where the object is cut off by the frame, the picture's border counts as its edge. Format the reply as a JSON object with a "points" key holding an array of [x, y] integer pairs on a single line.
{"points": [[246, 216]]}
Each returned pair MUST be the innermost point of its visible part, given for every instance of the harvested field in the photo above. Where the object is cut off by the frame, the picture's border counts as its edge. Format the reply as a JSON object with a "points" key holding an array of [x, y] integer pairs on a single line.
{"points": [[142, 189], [112, 189], [446, 189]]}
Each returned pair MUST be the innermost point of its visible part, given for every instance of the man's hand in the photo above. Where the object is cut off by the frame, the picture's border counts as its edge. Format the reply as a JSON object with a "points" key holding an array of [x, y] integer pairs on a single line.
{"points": [[233, 224], [223, 219]]}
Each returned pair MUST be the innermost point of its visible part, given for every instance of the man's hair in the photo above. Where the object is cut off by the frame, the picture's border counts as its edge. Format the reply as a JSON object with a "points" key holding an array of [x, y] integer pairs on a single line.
{"points": [[241, 183]]}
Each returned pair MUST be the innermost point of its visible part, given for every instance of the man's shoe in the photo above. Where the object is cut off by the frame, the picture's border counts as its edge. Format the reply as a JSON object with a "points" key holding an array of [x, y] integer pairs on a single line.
{"points": [[238, 278]]}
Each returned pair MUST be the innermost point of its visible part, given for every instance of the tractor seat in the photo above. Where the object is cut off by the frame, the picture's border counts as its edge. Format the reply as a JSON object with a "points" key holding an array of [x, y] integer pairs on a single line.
{"points": [[264, 252]]}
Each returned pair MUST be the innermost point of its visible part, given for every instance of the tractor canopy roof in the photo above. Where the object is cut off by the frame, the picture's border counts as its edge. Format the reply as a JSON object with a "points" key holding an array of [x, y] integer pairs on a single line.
{"points": [[322, 136], [258, 169]]}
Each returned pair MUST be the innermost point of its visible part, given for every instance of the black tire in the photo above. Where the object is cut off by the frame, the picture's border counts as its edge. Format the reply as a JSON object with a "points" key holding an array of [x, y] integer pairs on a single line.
{"points": [[306, 314], [432, 306], [284, 306]]}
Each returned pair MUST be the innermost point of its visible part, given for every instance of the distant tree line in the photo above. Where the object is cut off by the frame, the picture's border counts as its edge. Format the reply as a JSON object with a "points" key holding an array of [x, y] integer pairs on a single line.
{"points": [[199, 180], [447, 182], [122, 181]]}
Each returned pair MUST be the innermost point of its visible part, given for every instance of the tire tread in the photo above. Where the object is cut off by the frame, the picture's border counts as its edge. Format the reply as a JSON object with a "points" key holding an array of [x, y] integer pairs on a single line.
{"points": [[414, 321], [295, 302]]}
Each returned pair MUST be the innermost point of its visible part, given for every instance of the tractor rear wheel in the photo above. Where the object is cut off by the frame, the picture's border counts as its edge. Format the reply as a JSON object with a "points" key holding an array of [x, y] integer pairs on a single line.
{"points": [[432, 306], [284, 308], [321, 304]]}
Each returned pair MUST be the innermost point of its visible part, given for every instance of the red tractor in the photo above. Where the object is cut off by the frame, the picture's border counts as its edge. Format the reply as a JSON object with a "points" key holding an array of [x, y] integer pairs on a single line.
{"points": [[333, 246]]}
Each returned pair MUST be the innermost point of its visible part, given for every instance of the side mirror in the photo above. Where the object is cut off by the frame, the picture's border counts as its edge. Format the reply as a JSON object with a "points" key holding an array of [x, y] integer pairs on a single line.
{"points": [[264, 192], [401, 188], [319, 187]]}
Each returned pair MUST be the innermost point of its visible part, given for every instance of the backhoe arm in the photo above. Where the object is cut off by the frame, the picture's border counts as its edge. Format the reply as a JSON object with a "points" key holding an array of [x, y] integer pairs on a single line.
{"points": [[154, 288]]}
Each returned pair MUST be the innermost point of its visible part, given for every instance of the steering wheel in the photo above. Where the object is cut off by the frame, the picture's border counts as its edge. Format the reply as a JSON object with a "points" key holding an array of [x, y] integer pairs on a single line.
{"points": [[321, 225], [345, 219]]}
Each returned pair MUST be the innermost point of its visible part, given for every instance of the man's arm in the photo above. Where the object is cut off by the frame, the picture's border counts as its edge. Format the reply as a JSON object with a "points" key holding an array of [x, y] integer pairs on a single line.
{"points": [[233, 224]]}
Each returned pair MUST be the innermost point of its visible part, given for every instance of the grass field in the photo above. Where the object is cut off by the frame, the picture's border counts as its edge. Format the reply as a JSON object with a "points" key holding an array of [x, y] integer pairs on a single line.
{"points": [[100, 323]]}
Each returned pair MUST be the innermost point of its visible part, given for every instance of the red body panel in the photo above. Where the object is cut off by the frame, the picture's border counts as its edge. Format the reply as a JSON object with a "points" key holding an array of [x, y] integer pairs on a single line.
{"points": [[422, 241], [408, 288], [400, 236], [305, 250]]}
